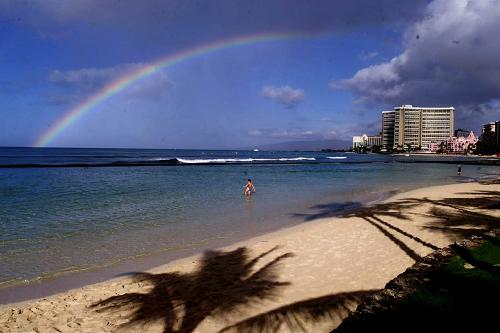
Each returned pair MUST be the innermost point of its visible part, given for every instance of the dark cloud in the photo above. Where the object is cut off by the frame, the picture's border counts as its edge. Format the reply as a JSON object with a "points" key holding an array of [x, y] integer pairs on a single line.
{"points": [[285, 95], [449, 58], [189, 21]]}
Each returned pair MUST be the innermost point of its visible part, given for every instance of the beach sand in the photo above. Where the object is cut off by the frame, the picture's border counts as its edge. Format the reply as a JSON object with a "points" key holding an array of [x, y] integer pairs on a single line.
{"points": [[309, 274]]}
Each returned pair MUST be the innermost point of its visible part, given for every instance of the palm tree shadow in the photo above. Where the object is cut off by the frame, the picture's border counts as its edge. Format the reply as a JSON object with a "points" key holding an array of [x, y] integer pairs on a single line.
{"points": [[448, 214], [227, 281], [373, 215], [223, 283], [294, 317], [453, 217], [464, 216], [329, 210]]}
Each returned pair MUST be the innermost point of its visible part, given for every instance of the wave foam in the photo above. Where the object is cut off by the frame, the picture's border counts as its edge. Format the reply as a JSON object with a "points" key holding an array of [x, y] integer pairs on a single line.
{"points": [[242, 160]]}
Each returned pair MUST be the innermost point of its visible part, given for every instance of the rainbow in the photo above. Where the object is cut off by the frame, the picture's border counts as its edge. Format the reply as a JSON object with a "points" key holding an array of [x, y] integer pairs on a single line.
{"points": [[150, 69]]}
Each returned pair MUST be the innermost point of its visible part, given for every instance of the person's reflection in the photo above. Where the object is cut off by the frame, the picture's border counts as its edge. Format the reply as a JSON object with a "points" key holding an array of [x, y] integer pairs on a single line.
{"points": [[248, 210]]}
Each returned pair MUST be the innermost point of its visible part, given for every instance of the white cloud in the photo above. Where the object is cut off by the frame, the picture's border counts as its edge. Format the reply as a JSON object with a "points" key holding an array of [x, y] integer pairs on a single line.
{"points": [[285, 95], [87, 80], [367, 56], [450, 58], [291, 133], [255, 132]]}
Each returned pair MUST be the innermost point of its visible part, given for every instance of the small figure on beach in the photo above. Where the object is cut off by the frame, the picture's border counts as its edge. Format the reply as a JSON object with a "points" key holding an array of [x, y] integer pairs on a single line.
{"points": [[249, 188], [459, 171]]}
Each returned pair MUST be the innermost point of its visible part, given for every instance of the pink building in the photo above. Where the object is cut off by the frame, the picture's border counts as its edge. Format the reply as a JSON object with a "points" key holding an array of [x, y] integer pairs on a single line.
{"points": [[455, 144]]}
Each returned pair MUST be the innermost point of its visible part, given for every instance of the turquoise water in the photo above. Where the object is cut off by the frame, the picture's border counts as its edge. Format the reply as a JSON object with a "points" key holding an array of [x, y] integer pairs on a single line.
{"points": [[65, 219]]}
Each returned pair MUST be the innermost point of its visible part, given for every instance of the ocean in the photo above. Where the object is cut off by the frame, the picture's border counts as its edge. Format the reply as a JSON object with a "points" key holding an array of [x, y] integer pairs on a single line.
{"points": [[67, 211]]}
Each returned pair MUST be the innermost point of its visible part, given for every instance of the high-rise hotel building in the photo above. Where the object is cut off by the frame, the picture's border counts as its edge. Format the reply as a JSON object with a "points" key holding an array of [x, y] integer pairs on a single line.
{"points": [[416, 126], [388, 128]]}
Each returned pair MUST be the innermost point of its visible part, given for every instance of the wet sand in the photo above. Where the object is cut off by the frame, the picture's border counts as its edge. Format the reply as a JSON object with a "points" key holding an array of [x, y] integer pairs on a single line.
{"points": [[310, 274]]}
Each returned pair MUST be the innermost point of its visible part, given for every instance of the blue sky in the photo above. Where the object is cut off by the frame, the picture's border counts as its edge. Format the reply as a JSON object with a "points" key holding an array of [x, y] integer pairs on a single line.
{"points": [[349, 62]]}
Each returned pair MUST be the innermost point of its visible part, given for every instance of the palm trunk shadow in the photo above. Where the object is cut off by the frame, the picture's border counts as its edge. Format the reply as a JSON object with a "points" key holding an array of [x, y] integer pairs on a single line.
{"points": [[469, 258], [412, 254]]}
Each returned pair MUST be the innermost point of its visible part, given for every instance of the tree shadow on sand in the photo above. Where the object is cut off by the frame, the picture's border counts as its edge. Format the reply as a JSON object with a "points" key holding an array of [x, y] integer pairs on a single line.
{"points": [[464, 216], [296, 316], [453, 217], [223, 283]]}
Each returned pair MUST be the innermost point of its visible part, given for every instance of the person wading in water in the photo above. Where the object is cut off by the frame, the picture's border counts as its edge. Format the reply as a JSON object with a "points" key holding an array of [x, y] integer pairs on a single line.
{"points": [[249, 188]]}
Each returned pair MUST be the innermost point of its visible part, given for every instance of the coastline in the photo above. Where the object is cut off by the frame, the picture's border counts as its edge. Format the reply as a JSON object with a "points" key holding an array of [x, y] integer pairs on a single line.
{"points": [[60, 282], [335, 250]]}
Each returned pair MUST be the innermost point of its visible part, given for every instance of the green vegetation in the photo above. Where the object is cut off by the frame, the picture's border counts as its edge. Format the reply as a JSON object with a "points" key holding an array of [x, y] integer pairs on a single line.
{"points": [[487, 144], [459, 296], [455, 298], [451, 288]]}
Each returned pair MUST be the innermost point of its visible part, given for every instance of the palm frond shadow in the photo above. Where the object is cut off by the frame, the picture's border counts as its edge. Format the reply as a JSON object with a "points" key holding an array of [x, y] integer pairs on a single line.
{"points": [[454, 217], [294, 317], [451, 215], [459, 217], [223, 283]]}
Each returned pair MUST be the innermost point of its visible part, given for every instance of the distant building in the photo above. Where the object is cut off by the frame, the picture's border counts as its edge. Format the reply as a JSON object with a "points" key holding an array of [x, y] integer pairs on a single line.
{"points": [[388, 128], [489, 127], [493, 127], [421, 126], [374, 140], [366, 141], [497, 135], [461, 144], [358, 141]]}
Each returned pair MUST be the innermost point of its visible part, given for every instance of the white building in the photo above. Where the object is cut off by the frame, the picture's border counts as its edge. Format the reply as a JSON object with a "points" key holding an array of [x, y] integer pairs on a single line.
{"points": [[366, 141], [359, 141], [417, 126]]}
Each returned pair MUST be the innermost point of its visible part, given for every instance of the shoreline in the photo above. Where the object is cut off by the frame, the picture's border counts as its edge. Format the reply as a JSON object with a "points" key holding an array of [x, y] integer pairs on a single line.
{"points": [[334, 251], [67, 280]]}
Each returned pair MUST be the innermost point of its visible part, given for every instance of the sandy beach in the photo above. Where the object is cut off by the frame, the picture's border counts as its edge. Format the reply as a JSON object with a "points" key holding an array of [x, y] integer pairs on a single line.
{"points": [[306, 276]]}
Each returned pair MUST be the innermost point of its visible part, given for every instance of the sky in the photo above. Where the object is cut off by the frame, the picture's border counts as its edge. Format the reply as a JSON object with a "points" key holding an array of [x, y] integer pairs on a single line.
{"points": [[324, 70]]}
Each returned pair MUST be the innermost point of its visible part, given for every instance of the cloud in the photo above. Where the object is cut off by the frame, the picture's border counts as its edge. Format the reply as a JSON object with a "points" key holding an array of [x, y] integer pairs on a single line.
{"points": [[153, 21], [337, 131], [255, 132], [285, 95], [55, 98], [89, 80], [151, 88], [367, 56], [85, 78], [289, 134], [450, 58]]}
